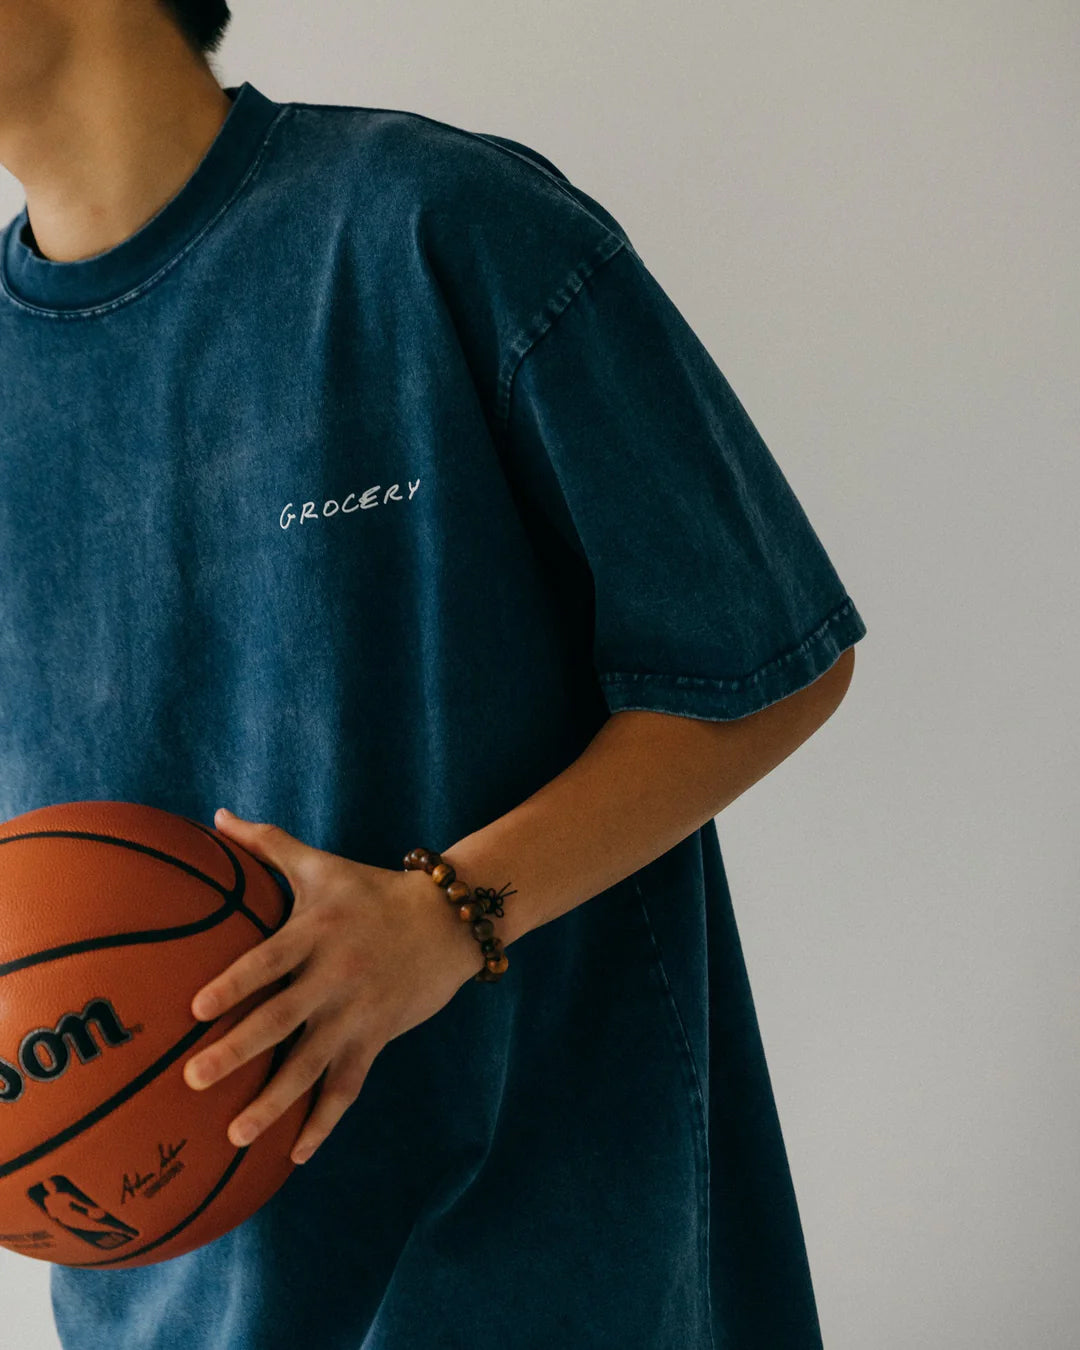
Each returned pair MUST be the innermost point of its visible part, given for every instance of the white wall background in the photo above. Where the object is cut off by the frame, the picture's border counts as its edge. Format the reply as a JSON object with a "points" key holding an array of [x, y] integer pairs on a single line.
{"points": [[870, 217]]}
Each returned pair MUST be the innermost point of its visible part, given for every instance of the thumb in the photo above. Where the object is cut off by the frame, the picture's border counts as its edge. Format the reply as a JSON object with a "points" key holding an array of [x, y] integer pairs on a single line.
{"points": [[270, 843]]}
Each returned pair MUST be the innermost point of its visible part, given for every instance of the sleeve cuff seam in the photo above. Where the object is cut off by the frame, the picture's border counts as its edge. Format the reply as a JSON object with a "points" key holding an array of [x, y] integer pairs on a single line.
{"points": [[845, 611]]}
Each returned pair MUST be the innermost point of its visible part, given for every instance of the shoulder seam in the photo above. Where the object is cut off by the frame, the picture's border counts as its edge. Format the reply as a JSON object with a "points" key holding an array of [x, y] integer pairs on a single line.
{"points": [[556, 180], [557, 304]]}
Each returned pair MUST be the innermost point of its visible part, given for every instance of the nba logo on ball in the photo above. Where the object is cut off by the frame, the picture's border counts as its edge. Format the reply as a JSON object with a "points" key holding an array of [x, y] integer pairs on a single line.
{"points": [[112, 916]]}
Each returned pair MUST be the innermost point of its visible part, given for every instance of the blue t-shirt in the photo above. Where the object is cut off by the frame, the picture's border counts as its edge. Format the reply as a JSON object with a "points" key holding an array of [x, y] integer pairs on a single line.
{"points": [[354, 491]]}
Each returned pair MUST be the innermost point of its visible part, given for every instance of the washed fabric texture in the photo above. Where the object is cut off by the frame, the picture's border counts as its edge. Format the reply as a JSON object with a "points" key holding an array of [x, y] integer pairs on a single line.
{"points": [[354, 492]]}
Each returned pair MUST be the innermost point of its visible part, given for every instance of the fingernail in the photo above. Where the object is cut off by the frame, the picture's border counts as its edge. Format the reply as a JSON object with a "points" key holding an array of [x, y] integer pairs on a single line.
{"points": [[196, 1075], [301, 1155], [224, 811], [244, 1134]]}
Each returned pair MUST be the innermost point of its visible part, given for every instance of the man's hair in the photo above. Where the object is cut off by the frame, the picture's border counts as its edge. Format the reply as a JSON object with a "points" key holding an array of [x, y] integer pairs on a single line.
{"points": [[202, 22]]}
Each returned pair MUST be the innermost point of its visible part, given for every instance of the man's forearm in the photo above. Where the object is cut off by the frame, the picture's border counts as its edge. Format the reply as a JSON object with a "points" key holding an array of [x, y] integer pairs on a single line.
{"points": [[644, 782]]}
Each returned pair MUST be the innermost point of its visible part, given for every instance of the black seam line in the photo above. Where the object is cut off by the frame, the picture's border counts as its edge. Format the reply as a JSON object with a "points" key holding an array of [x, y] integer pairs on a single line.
{"points": [[233, 900], [553, 309], [129, 1090], [212, 1194], [126, 1254], [44, 312], [739, 682]]}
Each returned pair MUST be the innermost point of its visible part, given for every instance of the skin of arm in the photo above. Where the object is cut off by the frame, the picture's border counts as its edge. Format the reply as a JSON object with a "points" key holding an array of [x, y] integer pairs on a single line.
{"points": [[645, 781], [369, 956]]}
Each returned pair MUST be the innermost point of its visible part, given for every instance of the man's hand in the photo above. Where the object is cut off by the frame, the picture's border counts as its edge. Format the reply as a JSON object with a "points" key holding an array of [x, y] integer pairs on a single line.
{"points": [[372, 951]]}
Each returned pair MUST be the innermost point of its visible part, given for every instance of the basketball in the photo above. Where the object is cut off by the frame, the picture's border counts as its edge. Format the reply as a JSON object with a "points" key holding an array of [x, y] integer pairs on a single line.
{"points": [[112, 916]]}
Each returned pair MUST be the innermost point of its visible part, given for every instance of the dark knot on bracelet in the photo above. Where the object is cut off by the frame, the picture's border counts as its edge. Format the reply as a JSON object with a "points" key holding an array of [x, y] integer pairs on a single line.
{"points": [[492, 899]]}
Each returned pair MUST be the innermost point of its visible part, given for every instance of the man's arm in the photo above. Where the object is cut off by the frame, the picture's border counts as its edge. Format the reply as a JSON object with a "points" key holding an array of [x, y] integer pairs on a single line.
{"points": [[645, 781], [368, 972]]}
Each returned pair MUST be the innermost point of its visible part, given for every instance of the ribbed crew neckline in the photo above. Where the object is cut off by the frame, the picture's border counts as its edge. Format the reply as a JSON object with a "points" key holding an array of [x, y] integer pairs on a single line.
{"points": [[105, 278]]}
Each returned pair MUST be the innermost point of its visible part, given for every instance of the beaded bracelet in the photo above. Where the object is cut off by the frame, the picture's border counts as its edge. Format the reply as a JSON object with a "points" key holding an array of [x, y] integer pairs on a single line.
{"points": [[472, 910]]}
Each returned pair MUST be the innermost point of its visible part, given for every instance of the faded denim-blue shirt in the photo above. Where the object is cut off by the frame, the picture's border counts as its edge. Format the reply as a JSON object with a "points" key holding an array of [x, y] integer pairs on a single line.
{"points": [[354, 491]]}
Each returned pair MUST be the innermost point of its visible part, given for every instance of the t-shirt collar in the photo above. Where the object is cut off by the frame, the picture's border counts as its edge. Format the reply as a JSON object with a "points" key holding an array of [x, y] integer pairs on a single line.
{"points": [[92, 282]]}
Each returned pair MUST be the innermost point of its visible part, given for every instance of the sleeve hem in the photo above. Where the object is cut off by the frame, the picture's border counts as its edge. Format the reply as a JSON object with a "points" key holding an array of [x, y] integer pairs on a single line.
{"points": [[722, 699]]}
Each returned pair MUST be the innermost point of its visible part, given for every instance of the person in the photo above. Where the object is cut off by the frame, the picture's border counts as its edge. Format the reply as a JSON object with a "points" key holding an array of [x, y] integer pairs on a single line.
{"points": [[358, 474]]}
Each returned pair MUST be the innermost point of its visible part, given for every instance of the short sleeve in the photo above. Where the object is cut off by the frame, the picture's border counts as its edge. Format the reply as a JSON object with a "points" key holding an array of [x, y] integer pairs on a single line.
{"points": [[712, 595]]}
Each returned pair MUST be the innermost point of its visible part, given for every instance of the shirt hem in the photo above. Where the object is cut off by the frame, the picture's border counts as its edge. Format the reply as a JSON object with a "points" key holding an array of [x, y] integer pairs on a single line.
{"points": [[718, 700]]}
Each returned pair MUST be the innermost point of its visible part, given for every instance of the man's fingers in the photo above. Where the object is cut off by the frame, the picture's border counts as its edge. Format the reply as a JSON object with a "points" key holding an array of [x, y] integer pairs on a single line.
{"points": [[344, 1079], [262, 965], [303, 1066], [263, 1028]]}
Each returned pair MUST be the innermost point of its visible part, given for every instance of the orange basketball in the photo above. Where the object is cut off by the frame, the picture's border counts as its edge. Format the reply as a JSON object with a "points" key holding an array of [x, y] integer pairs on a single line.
{"points": [[112, 916]]}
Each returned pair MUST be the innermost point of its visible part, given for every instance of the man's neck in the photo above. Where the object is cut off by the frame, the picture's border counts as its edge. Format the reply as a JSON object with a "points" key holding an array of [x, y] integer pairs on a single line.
{"points": [[105, 146]]}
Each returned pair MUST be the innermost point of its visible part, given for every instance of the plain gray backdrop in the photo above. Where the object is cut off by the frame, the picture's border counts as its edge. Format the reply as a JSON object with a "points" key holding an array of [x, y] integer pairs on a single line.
{"points": [[869, 215]]}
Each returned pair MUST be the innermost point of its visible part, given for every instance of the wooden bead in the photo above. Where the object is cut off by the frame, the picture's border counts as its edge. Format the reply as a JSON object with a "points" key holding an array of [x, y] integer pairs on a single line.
{"points": [[471, 908]]}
